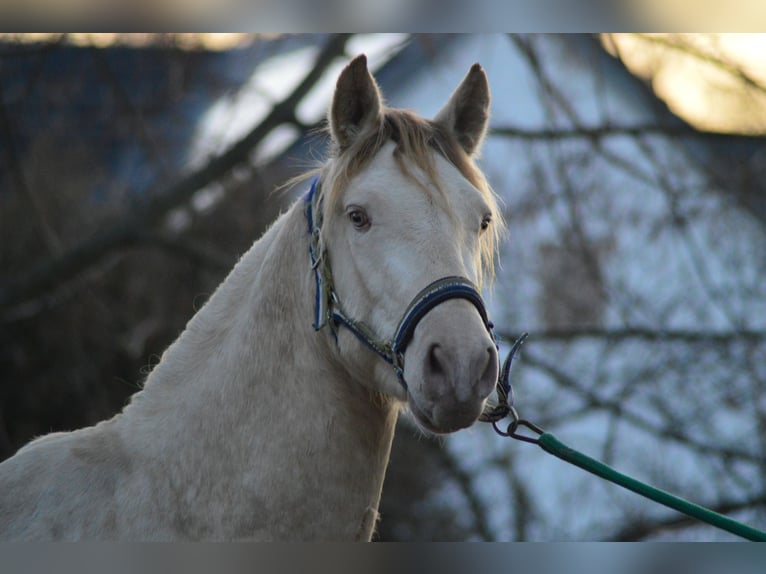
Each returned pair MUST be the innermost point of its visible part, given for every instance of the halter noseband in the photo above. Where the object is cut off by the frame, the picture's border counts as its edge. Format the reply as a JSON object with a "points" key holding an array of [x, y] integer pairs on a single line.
{"points": [[328, 309]]}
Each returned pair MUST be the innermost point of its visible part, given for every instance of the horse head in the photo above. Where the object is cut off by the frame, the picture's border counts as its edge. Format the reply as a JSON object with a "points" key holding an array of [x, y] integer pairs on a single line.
{"points": [[402, 205]]}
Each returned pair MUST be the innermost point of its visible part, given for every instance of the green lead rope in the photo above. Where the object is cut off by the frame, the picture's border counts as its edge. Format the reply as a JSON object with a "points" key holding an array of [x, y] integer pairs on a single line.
{"points": [[549, 443]]}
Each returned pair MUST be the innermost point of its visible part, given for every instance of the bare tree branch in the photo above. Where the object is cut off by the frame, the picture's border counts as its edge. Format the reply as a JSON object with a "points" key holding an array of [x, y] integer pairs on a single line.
{"points": [[198, 253], [51, 238], [123, 99], [666, 433], [697, 259], [465, 481], [747, 192], [553, 94], [641, 529], [601, 132], [678, 45], [595, 132], [638, 333], [50, 272]]}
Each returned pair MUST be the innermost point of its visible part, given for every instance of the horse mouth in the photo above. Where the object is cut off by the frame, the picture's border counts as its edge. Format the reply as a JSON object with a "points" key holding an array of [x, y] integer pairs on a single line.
{"points": [[460, 419]]}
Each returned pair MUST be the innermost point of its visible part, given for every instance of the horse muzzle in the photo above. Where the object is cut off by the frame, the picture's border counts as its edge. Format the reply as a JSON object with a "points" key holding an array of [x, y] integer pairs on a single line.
{"points": [[451, 368]]}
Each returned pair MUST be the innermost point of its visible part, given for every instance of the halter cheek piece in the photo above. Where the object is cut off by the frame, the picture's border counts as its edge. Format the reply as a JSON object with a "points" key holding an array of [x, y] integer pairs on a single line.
{"points": [[329, 311]]}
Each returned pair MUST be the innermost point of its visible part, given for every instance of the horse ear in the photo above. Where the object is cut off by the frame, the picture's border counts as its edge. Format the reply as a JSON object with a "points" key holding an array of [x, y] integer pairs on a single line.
{"points": [[466, 113], [356, 104]]}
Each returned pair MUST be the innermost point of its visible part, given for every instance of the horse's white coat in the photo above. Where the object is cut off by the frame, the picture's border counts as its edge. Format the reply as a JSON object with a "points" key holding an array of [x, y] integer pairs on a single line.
{"points": [[253, 425]]}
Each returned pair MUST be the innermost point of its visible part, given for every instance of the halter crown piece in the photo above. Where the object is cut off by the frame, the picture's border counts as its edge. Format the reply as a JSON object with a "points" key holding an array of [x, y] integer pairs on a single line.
{"points": [[329, 311]]}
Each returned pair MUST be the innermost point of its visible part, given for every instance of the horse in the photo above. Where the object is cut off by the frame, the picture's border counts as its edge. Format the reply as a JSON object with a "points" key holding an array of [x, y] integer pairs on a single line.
{"points": [[271, 416]]}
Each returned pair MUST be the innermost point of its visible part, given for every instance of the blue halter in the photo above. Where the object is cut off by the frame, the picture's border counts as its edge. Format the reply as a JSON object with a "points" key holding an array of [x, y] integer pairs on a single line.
{"points": [[328, 310]]}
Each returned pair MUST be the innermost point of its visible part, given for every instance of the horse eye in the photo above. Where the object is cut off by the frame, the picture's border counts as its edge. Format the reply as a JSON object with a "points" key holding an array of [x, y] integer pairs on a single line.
{"points": [[486, 220], [359, 218]]}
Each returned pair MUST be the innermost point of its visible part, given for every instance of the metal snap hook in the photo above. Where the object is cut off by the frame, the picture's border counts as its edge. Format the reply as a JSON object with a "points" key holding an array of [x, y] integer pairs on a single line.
{"points": [[512, 429]]}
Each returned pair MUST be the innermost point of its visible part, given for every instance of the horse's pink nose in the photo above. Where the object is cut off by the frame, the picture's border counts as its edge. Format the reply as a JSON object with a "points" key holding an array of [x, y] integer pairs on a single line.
{"points": [[465, 374]]}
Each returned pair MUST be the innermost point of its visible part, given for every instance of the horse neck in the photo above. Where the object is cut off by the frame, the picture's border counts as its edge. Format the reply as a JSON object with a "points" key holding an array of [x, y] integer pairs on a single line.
{"points": [[250, 378]]}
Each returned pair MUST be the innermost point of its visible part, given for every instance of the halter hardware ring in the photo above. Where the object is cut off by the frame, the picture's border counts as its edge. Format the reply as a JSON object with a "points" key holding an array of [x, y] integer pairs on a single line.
{"points": [[516, 422]]}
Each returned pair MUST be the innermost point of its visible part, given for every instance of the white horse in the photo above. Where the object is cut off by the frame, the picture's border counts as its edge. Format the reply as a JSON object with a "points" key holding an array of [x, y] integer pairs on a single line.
{"points": [[271, 416]]}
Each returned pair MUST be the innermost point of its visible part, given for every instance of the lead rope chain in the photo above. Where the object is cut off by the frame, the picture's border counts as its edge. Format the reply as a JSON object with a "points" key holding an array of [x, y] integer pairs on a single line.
{"points": [[552, 445]]}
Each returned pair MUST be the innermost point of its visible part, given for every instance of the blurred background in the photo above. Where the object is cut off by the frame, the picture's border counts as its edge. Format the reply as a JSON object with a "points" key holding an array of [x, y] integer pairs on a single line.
{"points": [[136, 168]]}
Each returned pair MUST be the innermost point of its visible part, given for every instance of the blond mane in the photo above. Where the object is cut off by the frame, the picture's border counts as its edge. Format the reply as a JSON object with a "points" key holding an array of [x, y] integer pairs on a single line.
{"points": [[416, 141]]}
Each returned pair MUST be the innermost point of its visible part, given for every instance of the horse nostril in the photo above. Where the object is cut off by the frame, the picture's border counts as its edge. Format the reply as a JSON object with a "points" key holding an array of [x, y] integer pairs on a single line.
{"points": [[436, 358], [462, 376]]}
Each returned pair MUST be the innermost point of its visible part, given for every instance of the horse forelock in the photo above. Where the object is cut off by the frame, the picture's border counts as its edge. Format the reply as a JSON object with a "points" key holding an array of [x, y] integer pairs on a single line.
{"points": [[416, 141]]}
